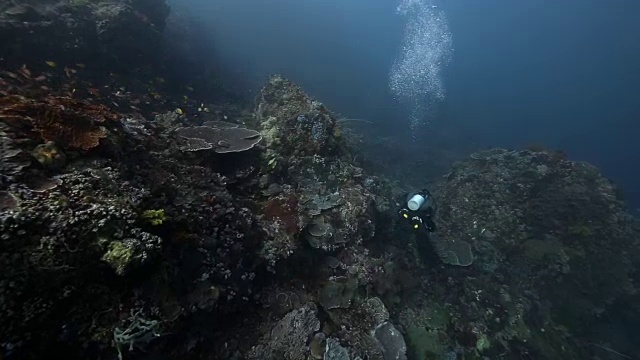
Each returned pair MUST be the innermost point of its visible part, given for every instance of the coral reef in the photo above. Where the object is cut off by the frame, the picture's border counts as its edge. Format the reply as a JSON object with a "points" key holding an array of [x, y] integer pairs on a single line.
{"points": [[559, 223], [321, 193], [288, 338], [68, 122], [12, 159], [81, 31], [121, 235], [53, 243], [543, 230]]}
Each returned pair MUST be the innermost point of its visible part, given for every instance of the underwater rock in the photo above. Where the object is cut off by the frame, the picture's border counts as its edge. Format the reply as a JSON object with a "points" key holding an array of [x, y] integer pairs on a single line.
{"points": [[392, 342], [541, 227], [335, 351], [292, 123], [424, 344], [431, 315], [337, 293], [323, 192], [366, 328], [8, 202], [81, 31], [504, 194], [289, 337], [424, 326], [168, 121], [452, 252], [11, 161]]}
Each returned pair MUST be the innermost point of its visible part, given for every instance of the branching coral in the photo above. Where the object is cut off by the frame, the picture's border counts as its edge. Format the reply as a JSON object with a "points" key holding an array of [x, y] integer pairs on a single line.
{"points": [[71, 123], [140, 331]]}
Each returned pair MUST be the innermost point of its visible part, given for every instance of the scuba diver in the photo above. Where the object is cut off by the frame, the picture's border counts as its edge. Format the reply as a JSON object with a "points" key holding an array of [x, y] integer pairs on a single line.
{"points": [[417, 209]]}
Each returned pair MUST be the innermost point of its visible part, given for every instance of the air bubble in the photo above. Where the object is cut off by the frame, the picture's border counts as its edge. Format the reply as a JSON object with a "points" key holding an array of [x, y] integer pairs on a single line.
{"points": [[416, 75]]}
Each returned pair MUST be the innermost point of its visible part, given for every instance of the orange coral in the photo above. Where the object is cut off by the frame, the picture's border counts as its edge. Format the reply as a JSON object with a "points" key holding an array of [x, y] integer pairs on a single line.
{"points": [[70, 123]]}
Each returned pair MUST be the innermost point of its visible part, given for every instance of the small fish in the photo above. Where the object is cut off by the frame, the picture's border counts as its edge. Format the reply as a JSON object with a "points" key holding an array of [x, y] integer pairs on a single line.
{"points": [[69, 71], [81, 66], [51, 63], [179, 111], [160, 80], [189, 88], [25, 72], [185, 97], [225, 117], [199, 109], [40, 78], [206, 109]]}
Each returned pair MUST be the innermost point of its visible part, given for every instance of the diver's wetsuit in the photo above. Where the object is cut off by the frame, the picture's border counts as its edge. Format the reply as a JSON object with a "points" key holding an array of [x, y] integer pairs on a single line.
{"points": [[421, 221]]}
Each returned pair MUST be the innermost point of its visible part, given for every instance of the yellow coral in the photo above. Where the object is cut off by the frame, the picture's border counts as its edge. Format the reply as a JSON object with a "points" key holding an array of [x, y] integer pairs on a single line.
{"points": [[119, 256], [49, 155], [154, 217]]}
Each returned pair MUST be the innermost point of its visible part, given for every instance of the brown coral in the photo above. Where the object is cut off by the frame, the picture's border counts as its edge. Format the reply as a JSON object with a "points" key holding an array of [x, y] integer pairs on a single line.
{"points": [[71, 123], [285, 210]]}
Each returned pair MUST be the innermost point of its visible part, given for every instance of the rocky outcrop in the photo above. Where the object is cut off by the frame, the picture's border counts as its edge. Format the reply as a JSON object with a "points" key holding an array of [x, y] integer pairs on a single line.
{"points": [[113, 236], [114, 34], [554, 249], [557, 226], [314, 195], [187, 236]]}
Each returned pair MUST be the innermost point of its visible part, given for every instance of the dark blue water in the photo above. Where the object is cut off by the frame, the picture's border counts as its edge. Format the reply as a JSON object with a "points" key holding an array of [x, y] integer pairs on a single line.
{"points": [[563, 74]]}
